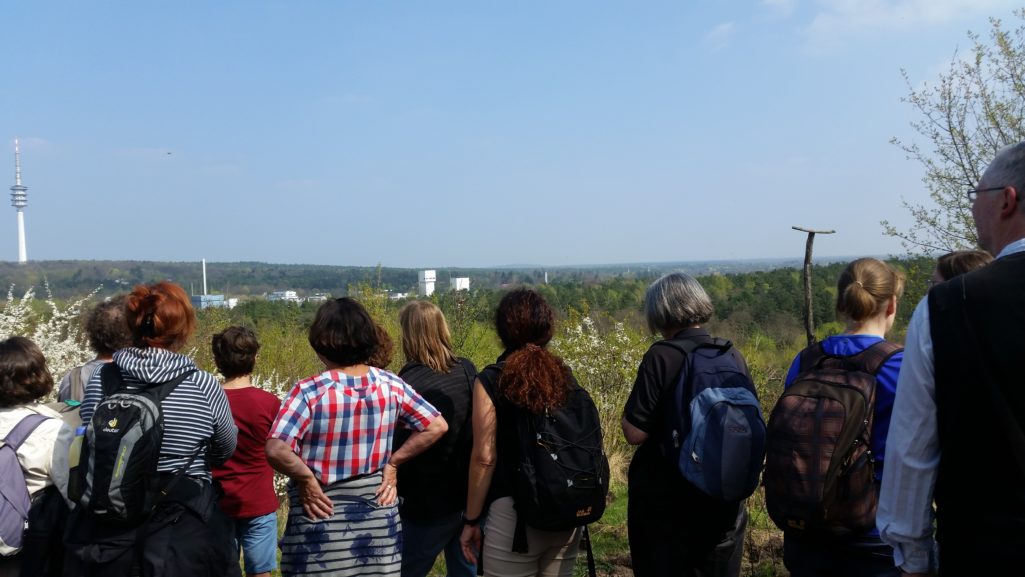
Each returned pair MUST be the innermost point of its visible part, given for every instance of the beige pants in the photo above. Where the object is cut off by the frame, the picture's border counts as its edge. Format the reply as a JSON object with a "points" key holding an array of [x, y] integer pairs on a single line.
{"points": [[549, 553]]}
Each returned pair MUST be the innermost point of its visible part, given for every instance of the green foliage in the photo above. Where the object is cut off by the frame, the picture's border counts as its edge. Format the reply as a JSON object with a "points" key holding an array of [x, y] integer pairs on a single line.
{"points": [[965, 117]]}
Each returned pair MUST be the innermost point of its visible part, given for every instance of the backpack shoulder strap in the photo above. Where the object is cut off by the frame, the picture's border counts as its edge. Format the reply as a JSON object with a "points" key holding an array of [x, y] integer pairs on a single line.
{"points": [[688, 344], [110, 379], [23, 429], [165, 388], [490, 374], [812, 356], [76, 389], [874, 357]]}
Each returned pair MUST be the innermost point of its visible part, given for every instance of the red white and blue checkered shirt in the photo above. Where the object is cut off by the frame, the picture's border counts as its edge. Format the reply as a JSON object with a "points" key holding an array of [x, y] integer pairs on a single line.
{"points": [[341, 426]]}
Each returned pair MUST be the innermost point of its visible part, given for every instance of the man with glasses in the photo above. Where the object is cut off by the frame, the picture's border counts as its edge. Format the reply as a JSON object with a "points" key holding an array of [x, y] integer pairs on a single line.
{"points": [[958, 418]]}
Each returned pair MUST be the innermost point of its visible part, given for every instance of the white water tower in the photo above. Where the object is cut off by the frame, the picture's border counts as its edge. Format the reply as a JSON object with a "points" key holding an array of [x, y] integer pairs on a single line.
{"points": [[425, 286]]}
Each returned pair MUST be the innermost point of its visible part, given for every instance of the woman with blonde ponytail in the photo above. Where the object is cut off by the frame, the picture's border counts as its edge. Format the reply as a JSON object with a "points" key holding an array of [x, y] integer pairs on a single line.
{"points": [[526, 377], [866, 300]]}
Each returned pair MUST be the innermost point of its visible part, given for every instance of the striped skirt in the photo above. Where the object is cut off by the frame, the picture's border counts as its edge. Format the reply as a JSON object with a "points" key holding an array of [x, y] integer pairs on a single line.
{"points": [[360, 538]]}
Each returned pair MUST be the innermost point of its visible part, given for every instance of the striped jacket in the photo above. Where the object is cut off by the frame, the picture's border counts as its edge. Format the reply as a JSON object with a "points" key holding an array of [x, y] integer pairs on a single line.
{"points": [[196, 411]]}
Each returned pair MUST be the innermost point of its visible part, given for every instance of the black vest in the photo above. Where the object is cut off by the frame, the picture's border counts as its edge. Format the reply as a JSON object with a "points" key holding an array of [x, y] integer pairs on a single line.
{"points": [[977, 324]]}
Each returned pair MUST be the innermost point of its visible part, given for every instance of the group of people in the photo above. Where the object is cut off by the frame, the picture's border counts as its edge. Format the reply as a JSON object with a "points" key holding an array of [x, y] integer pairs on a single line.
{"points": [[389, 470]]}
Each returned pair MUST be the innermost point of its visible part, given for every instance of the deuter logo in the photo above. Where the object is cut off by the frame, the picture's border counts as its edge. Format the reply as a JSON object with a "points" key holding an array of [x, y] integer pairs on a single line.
{"points": [[584, 512], [111, 426]]}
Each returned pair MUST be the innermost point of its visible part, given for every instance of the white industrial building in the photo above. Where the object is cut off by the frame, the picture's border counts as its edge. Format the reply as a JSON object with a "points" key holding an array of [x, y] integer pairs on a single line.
{"points": [[286, 295], [461, 283], [425, 286]]}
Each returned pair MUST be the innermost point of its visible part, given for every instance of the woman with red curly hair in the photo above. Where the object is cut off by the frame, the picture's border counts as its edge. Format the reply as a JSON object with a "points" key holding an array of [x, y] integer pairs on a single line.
{"points": [[526, 377], [186, 534]]}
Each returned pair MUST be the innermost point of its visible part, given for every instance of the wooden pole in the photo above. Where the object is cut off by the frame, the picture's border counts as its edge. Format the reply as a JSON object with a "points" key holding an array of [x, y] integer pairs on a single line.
{"points": [[809, 323]]}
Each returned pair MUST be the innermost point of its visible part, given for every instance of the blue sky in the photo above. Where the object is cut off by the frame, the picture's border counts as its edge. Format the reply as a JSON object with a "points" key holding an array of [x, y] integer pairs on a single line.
{"points": [[432, 134]]}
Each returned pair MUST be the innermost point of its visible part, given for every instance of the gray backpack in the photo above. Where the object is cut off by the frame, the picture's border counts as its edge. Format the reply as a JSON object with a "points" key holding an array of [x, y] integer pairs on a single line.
{"points": [[15, 500]]}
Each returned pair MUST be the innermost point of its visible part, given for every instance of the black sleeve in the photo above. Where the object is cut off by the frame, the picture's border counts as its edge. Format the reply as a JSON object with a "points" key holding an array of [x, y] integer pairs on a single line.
{"points": [[659, 367]]}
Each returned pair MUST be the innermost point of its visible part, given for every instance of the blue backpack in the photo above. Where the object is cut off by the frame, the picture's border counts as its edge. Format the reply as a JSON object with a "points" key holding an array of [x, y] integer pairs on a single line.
{"points": [[715, 434]]}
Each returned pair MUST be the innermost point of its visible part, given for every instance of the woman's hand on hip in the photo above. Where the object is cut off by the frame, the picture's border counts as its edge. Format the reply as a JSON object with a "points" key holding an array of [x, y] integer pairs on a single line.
{"points": [[388, 492], [316, 504]]}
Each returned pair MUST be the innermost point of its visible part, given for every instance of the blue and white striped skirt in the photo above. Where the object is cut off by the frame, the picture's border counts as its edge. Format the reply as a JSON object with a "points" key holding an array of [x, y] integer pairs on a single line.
{"points": [[360, 538]]}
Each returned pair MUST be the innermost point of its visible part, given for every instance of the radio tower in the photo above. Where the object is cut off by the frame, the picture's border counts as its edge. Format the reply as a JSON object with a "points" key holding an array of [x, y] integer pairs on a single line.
{"points": [[19, 199]]}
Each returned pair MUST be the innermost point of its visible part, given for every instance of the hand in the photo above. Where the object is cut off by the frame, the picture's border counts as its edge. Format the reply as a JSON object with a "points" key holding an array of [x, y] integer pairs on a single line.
{"points": [[470, 542], [316, 504], [388, 492]]}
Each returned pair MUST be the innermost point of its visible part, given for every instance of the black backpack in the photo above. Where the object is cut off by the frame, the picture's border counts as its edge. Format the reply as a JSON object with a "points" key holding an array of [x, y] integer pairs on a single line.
{"points": [[121, 447], [561, 476]]}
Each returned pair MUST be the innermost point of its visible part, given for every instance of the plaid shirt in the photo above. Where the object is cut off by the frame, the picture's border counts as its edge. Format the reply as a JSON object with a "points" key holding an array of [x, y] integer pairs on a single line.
{"points": [[342, 426]]}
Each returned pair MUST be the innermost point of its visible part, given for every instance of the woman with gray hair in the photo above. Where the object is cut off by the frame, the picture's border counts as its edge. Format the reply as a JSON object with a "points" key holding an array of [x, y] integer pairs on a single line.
{"points": [[674, 528]]}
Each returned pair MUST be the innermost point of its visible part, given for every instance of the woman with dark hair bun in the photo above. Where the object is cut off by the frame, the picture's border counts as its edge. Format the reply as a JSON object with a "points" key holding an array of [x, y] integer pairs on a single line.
{"points": [[186, 532], [42, 454], [526, 377], [333, 439]]}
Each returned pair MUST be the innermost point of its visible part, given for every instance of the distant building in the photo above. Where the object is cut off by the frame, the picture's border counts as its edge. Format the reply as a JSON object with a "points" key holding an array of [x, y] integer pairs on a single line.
{"points": [[425, 287], [286, 295], [317, 298], [397, 296], [201, 302], [461, 283]]}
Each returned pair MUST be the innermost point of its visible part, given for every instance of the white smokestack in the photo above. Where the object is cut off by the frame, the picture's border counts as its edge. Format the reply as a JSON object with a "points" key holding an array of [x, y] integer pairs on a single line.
{"points": [[204, 277]]}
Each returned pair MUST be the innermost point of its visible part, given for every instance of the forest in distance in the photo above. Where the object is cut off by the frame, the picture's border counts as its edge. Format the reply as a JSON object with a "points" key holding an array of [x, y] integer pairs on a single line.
{"points": [[71, 278]]}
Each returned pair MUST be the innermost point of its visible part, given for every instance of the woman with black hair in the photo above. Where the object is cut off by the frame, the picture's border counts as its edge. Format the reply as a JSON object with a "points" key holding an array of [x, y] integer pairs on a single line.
{"points": [[333, 439]]}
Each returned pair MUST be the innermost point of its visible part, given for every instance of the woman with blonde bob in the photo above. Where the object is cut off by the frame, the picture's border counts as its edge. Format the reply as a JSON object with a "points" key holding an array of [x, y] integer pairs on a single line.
{"points": [[433, 484], [867, 294]]}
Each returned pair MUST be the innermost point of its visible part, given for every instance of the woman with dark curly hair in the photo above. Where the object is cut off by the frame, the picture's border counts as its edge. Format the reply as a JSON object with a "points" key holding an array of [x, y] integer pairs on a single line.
{"points": [[333, 439], [43, 452], [526, 377], [108, 332]]}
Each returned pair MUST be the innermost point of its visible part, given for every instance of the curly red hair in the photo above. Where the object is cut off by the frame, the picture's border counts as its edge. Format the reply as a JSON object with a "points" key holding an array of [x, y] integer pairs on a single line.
{"points": [[532, 377]]}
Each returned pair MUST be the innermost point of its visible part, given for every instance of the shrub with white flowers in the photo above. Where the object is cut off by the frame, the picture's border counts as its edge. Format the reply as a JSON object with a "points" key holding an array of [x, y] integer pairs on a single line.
{"points": [[57, 332], [604, 357]]}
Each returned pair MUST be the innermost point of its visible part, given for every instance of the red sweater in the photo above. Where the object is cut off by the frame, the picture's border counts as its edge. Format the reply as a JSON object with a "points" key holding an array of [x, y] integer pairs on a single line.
{"points": [[247, 478]]}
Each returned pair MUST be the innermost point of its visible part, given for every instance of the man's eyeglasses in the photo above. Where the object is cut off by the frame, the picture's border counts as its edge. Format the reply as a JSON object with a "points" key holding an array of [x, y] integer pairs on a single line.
{"points": [[975, 192]]}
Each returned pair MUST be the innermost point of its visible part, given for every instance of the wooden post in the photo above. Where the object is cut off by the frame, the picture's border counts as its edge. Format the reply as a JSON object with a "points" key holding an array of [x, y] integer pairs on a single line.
{"points": [[809, 324]]}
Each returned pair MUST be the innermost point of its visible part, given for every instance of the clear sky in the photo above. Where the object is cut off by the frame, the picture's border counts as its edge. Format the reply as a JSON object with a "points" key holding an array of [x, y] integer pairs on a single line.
{"points": [[436, 133]]}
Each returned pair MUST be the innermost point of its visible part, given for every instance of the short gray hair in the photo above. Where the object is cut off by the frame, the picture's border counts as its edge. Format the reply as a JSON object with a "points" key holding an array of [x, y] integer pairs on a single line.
{"points": [[1008, 169], [676, 300]]}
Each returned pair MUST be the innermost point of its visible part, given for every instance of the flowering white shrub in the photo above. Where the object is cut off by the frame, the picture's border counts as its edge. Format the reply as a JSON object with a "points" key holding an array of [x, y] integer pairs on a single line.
{"points": [[604, 362], [278, 387], [57, 332]]}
